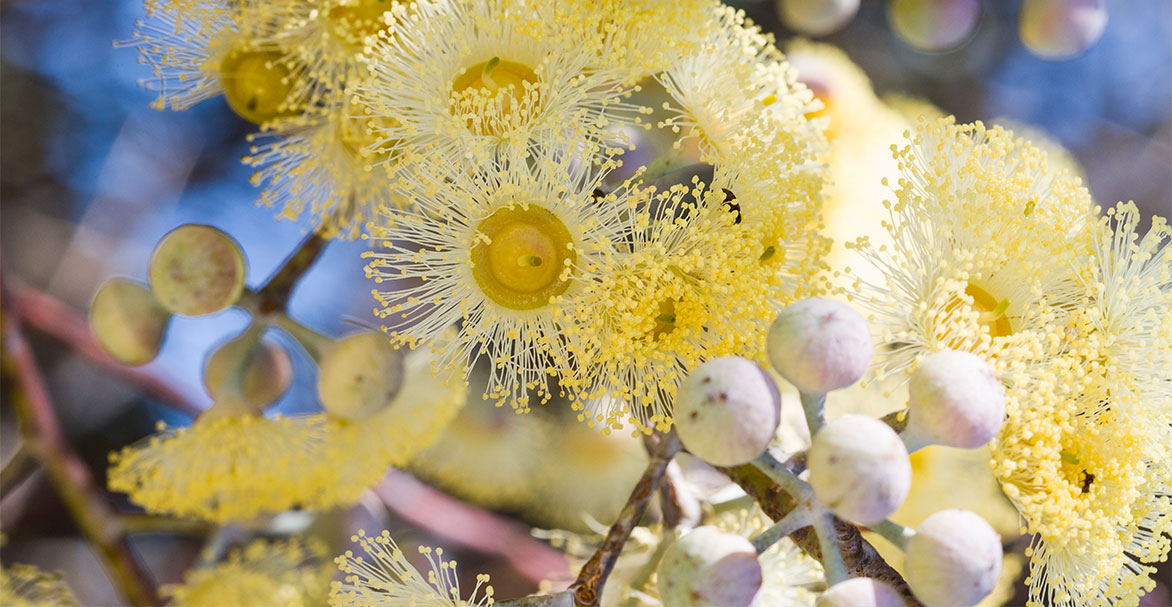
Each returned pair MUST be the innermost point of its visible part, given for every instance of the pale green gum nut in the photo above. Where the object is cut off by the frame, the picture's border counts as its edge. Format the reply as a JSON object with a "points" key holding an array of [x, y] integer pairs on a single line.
{"points": [[859, 468], [265, 370], [933, 25], [359, 376], [819, 345], [817, 17], [860, 592], [953, 560], [197, 269], [955, 400], [1061, 29], [128, 321], [710, 567], [727, 411]]}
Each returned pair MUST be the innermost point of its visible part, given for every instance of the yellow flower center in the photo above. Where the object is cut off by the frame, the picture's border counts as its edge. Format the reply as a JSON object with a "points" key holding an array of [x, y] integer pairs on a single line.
{"points": [[992, 312], [256, 85], [665, 321], [494, 93], [520, 259], [355, 20]]}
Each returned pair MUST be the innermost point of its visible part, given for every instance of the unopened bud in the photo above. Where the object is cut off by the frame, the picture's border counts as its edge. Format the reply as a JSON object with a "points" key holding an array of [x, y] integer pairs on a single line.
{"points": [[727, 411], [128, 321], [1061, 29], [860, 592], [360, 375], [265, 370], [817, 17], [954, 400], [820, 345], [710, 567], [197, 269], [859, 469], [933, 25], [953, 560]]}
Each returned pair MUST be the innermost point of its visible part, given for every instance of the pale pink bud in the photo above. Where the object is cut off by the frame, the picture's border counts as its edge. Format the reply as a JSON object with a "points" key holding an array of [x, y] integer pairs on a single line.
{"points": [[727, 411], [859, 469], [820, 345], [953, 560]]}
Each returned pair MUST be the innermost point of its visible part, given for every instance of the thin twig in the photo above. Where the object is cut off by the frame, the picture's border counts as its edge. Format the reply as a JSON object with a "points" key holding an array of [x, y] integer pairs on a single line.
{"points": [[893, 532], [860, 557], [274, 295], [68, 474], [814, 406], [149, 523], [19, 467], [832, 563], [50, 316], [796, 519], [588, 587]]}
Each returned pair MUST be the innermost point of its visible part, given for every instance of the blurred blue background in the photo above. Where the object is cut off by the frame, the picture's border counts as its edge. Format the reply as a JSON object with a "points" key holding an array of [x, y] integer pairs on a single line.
{"points": [[91, 178]]}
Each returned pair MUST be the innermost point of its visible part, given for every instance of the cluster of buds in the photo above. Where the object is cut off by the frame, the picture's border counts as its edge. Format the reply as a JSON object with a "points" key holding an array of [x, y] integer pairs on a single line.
{"points": [[728, 411], [198, 270]]}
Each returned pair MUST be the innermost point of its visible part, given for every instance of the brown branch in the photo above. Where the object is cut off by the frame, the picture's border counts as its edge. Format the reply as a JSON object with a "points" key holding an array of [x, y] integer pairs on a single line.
{"points": [[481, 530], [42, 434], [19, 467], [588, 587], [274, 295], [52, 317], [565, 598], [860, 557]]}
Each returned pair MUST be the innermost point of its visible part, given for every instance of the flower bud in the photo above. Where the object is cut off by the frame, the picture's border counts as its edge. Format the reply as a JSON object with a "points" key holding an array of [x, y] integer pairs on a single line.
{"points": [[266, 370], [817, 17], [859, 469], [933, 25], [360, 375], [1061, 29], [710, 567], [860, 592], [128, 321], [197, 269], [727, 411], [953, 560], [954, 400], [820, 345]]}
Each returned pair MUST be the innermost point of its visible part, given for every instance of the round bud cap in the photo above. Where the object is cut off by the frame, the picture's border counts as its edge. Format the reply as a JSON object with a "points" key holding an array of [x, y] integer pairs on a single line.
{"points": [[727, 411], [955, 400], [710, 567], [360, 375], [817, 17], [128, 321], [860, 592], [820, 345], [1061, 29], [859, 468], [197, 269], [266, 370], [933, 25], [953, 560]]}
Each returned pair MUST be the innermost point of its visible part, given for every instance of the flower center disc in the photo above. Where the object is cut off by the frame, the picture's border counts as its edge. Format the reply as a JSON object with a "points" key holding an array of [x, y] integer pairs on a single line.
{"points": [[521, 265], [356, 20], [256, 85], [494, 86], [993, 312]]}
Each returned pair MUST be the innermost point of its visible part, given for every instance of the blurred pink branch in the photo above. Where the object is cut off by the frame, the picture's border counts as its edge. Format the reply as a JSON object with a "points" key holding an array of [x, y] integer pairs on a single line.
{"points": [[470, 526], [85, 501], [48, 315]]}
